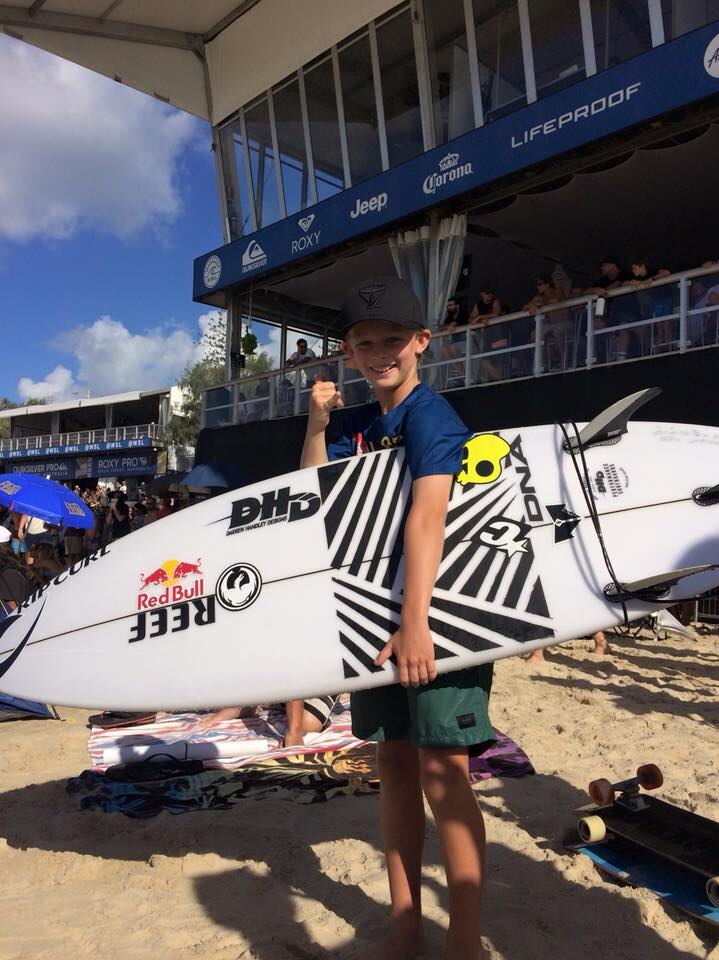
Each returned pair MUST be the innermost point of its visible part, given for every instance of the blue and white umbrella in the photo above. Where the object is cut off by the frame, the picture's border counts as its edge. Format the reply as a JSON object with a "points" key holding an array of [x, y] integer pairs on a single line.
{"points": [[45, 499]]}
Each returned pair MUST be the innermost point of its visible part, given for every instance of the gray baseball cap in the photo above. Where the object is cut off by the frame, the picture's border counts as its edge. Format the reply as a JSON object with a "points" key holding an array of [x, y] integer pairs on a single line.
{"points": [[381, 298]]}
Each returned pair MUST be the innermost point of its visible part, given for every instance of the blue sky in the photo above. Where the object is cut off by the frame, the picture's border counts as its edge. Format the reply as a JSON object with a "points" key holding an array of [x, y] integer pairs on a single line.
{"points": [[106, 196]]}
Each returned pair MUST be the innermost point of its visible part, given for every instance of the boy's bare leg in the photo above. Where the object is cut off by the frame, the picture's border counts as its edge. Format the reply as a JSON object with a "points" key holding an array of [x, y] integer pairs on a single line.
{"points": [[444, 775], [402, 822]]}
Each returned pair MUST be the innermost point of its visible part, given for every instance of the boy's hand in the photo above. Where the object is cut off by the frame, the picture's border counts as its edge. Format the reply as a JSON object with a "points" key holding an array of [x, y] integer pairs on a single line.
{"points": [[323, 400], [413, 650]]}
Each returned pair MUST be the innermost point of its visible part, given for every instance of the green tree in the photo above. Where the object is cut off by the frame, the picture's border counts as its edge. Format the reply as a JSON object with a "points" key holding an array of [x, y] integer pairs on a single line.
{"points": [[7, 404], [200, 376]]}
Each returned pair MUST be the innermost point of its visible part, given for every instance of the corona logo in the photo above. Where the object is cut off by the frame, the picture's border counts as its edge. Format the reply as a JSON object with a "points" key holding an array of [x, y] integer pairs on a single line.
{"points": [[482, 462], [451, 160]]}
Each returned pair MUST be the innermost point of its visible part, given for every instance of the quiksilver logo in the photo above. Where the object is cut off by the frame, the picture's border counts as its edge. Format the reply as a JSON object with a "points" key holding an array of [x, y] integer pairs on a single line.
{"points": [[450, 169], [254, 257]]}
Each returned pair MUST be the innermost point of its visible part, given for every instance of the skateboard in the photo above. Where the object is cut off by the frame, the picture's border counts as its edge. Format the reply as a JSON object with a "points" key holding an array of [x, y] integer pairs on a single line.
{"points": [[648, 842]]}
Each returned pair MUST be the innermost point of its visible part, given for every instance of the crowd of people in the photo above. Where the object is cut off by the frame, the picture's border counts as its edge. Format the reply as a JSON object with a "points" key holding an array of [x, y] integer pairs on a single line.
{"points": [[643, 299], [33, 551]]}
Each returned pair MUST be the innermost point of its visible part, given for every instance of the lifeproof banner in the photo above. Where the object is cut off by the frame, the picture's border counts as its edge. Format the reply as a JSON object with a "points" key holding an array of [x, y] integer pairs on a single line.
{"points": [[665, 78]]}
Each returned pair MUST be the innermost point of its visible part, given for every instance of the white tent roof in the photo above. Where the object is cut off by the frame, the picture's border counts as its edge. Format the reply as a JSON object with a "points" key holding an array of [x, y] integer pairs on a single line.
{"points": [[208, 57], [156, 46]]}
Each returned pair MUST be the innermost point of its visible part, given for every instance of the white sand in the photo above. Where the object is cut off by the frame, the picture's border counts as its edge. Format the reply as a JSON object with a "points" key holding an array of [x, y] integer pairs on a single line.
{"points": [[273, 880]]}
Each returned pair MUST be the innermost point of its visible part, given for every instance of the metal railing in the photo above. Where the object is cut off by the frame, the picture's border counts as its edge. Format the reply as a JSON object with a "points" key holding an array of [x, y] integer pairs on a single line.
{"points": [[106, 435], [672, 315]]}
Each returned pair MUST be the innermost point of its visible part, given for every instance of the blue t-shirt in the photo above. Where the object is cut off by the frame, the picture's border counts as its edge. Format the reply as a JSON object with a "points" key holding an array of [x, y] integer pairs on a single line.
{"points": [[424, 424]]}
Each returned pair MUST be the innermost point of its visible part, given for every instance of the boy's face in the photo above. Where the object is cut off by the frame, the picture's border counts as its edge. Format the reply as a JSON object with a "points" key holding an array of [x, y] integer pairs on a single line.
{"points": [[385, 353]]}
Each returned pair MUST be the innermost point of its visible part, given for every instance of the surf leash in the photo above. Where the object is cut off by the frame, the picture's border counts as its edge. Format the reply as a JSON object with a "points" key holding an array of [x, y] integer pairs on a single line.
{"points": [[576, 452]]}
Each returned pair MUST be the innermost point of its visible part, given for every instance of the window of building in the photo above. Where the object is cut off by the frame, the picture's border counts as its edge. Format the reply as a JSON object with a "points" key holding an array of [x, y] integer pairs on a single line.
{"points": [[239, 220], [621, 30], [324, 128], [262, 163], [556, 44], [681, 16], [448, 68], [400, 92], [291, 144], [499, 51], [360, 108]]}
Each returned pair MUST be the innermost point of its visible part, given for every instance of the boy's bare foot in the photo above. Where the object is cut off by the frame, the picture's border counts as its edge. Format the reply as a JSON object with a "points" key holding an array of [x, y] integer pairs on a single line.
{"points": [[404, 941], [537, 656], [601, 647]]}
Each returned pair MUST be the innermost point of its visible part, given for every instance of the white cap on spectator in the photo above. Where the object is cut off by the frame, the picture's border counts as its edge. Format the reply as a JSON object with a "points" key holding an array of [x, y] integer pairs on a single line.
{"points": [[5, 535]]}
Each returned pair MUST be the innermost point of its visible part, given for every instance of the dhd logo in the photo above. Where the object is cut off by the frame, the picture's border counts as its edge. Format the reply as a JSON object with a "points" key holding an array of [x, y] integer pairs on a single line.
{"points": [[272, 507]]}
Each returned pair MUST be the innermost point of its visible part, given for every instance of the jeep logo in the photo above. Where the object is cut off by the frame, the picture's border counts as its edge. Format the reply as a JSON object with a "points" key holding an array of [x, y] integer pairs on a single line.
{"points": [[373, 205]]}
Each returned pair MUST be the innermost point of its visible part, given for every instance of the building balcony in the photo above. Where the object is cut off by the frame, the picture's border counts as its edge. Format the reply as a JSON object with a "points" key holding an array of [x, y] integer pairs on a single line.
{"points": [[82, 441]]}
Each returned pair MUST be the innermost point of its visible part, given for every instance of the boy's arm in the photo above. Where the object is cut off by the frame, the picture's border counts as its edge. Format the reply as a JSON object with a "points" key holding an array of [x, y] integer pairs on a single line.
{"points": [[323, 399], [423, 541]]}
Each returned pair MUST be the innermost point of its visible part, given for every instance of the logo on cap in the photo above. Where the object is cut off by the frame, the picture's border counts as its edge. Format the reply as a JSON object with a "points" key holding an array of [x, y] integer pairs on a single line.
{"points": [[372, 294]]}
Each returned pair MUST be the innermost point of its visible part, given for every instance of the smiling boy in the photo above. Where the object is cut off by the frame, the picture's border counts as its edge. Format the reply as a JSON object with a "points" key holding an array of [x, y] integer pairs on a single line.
{"points": [[425, 724]]}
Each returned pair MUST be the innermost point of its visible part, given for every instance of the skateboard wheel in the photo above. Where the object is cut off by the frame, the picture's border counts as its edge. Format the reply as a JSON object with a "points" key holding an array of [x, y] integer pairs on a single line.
{"points": [[601, 792], [591, 829], [650, 776], [713, 891]]}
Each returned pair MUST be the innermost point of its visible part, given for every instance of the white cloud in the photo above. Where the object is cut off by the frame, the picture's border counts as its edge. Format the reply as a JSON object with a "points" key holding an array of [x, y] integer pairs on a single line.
{"points": [[79, 151], [58, 384], [109, 358]]}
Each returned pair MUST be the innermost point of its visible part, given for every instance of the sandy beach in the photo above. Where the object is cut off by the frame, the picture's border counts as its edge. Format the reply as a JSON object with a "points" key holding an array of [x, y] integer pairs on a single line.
{"points": [[274, 880]]}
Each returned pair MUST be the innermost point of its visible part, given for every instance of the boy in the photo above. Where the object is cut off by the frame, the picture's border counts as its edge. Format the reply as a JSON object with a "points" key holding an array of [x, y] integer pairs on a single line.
{"points": [[424, 725]]}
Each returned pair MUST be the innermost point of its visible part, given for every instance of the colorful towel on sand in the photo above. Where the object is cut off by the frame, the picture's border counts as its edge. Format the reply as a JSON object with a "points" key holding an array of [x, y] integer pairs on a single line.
{"points": [[334, 763], [228, 745]]}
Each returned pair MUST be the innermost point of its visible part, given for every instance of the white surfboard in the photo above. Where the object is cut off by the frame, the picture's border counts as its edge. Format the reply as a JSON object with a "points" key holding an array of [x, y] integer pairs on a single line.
{"points": [[290, 587]]}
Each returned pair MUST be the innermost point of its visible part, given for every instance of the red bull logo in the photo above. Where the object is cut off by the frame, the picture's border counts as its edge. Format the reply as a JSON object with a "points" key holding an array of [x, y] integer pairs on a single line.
{"points": [[171, 576]]}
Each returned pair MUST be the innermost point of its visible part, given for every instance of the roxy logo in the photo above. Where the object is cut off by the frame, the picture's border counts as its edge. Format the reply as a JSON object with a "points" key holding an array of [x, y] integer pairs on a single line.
{"points": [[711, 58], [373, 205], [254, 257], [450, 169], [272, 507], [310, 239]]}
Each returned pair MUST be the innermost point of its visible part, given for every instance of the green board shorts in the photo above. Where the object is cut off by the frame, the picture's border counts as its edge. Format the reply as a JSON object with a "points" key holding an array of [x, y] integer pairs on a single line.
{"points": [[451, 711]]}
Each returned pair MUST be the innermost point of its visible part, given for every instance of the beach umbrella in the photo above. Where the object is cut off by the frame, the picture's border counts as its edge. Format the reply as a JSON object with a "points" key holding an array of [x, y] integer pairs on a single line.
{"points": [[45, 499]]}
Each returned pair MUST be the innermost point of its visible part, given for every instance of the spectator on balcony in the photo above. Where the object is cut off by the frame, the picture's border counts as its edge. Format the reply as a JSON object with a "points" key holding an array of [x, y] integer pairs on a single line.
{"points": [[452, 345], [302, 354], [557, 324], [494, 337], [616, 312], [654, 302], [703, 324]]}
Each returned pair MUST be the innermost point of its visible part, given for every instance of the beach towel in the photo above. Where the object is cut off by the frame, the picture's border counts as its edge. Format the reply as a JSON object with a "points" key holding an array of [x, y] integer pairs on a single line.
{"points": [[195, 769]]}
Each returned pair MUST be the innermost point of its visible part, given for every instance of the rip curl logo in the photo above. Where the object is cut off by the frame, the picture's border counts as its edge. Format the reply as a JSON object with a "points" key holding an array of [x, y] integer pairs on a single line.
{"points": [[482, 461], [711, 58], [388, 443]]}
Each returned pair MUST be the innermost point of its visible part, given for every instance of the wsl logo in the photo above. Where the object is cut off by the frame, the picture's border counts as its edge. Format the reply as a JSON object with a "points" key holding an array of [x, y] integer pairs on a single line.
{"points": [[212, 272], [254, 257], [711, 58], [449, 169]]}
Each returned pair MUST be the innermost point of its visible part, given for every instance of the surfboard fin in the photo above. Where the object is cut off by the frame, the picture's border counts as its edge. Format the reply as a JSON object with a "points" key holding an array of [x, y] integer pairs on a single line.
{"points": [[652, 588], [706, 496], [611, 423]]}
